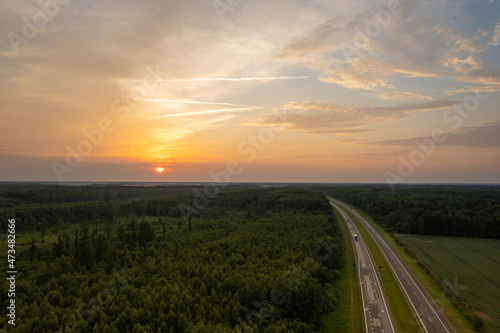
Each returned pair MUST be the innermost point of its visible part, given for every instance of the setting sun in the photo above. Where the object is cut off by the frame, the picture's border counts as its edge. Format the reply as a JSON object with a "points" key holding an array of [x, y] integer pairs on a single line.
{"points": [[160, 169]]}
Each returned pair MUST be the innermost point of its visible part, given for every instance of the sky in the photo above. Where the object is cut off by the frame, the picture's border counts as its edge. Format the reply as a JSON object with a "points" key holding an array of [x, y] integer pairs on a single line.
{"points": [[250, 91]]}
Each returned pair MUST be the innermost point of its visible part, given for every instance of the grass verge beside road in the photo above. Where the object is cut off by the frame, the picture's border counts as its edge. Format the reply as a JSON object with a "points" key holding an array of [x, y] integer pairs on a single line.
{"points": [[455, 318], [348, 315]]}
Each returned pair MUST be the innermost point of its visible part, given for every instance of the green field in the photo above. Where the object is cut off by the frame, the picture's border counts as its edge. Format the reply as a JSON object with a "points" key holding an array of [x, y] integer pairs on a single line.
{"points": [[470, 268]]}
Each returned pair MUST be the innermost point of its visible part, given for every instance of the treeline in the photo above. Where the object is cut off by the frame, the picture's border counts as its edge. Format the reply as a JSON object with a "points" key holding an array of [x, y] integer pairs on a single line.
{"points": [[17, 194], [97, 203], [36, 206], [429, 210], [267, 263]]}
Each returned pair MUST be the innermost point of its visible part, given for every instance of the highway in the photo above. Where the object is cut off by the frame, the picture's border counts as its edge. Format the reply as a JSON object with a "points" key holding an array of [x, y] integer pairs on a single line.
{"points": [[429, 317], [377, 315]]}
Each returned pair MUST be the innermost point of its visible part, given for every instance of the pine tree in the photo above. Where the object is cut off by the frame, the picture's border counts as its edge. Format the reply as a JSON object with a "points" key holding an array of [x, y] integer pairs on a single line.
{"points": [[134, 317], [203, 289], [32, 249], [107, 329], [171, 319], [182, 323], [138, 328], [213, 297]]}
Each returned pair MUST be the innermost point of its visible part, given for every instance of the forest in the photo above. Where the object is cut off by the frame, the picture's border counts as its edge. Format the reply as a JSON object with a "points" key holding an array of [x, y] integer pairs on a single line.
{"points": [[101, 258], [459, 211]]}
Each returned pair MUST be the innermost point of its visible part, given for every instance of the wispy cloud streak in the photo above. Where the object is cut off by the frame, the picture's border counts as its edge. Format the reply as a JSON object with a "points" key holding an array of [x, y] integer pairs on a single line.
{"points": [[259, 78], [324, 118], [195, 102], [196, 113]]}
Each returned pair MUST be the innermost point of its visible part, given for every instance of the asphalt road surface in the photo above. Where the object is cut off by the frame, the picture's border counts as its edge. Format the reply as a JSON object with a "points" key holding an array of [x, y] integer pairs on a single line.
{"points": [[377, 315], [429, 317]]}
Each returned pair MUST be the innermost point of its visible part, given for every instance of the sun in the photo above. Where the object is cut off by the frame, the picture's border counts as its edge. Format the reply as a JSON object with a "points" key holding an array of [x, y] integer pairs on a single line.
{"points": [[160, 169]]}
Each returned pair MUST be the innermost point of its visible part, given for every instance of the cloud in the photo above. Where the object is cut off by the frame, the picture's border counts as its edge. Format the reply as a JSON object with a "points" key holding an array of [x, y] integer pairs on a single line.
{"points": [[324, 118], [205, 112], [180, 56], [290, 145], [192, 102], [473, 89], [233, 79], [371, 49], [484, 136], [485, 81], [313, 156], [495, 40]]}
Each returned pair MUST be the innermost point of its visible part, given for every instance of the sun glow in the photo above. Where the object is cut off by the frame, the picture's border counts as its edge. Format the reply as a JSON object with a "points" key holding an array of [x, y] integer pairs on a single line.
{"points": [[160, 169]]}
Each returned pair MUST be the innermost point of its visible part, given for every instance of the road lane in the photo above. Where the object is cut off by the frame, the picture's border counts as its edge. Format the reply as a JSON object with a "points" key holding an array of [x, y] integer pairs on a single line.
{"points": [[377, 314], [430, 318]]}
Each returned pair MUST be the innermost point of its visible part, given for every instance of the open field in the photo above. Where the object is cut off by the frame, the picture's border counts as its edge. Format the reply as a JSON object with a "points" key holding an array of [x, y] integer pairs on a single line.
{"points": [[469, 267]]}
